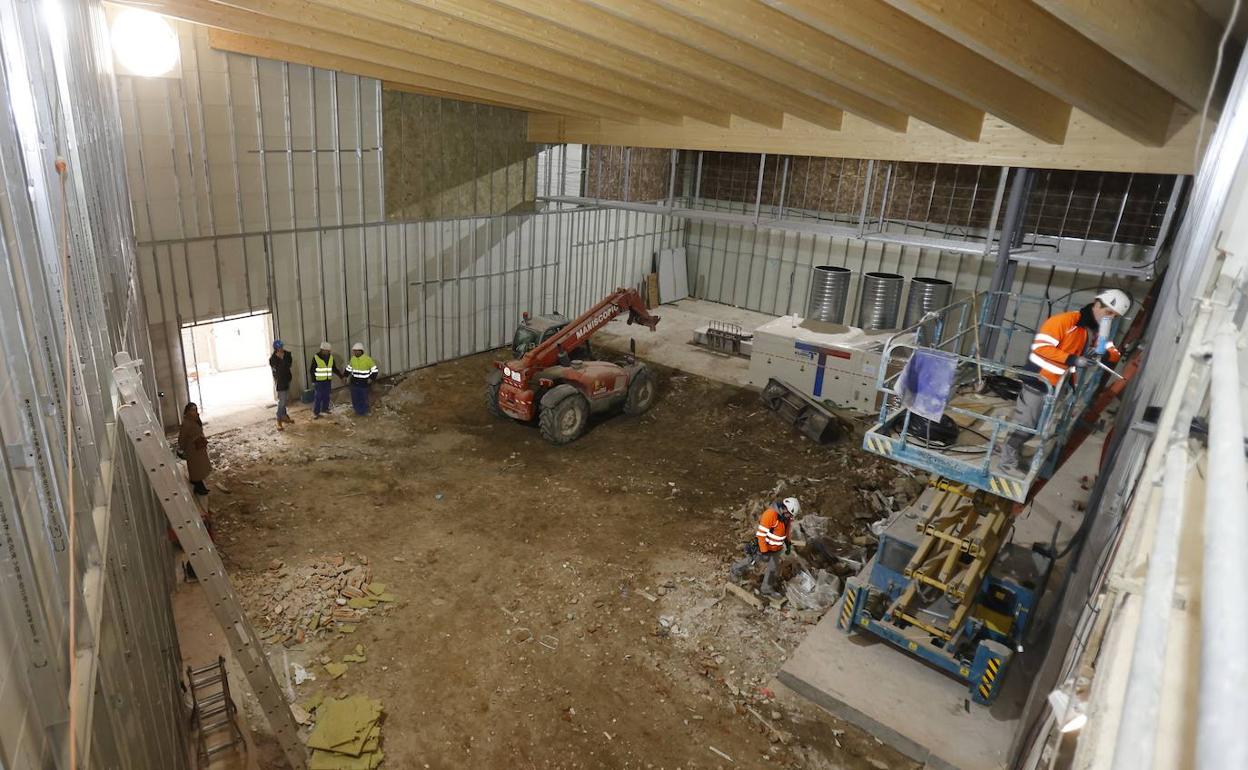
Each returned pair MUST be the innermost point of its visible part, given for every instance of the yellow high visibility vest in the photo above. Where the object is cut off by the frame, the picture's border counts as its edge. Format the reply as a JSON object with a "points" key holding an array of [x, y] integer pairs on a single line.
{"points": [[361, 368], [324, 369]]}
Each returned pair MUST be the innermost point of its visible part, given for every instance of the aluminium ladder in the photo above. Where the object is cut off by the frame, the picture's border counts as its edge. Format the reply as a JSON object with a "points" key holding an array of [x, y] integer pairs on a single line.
{"points": [[141, 425]]}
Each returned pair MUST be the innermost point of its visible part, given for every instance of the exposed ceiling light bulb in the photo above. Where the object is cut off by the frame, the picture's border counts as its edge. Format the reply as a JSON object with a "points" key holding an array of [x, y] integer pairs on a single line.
{"points": [[1068, 711], [144, 43]]}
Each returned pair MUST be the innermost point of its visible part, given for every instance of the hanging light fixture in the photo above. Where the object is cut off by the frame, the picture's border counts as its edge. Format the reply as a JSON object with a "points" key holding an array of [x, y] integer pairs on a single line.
{"points": [[144, 43]]}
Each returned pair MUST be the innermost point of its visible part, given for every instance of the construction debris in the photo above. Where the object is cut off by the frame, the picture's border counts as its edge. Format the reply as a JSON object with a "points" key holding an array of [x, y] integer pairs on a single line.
{"points": [[744, 595], [335, 670], [347, 735], [289, 603]]}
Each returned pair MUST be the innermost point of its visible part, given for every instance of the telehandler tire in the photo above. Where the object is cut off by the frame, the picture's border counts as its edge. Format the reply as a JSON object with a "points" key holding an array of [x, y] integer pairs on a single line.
{"points": [[565, 420], [492, 383], [641, 393]]}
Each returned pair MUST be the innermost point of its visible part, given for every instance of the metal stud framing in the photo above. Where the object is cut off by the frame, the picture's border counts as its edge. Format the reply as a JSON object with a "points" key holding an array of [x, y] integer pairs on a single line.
{"points": [[57, 99]]}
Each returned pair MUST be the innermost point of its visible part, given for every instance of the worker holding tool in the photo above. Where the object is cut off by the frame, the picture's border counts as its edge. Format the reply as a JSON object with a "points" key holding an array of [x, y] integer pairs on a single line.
{"points": [[362, 370], [322, 370], [279, 364], [1063, 344], [770, 537]]}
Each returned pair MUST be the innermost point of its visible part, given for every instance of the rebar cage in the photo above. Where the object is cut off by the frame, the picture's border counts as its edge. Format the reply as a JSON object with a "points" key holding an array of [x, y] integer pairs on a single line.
{"points": [[979, 332]]}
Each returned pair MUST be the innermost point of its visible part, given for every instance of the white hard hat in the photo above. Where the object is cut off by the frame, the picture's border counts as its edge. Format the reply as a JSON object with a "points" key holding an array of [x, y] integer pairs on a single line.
{"points": [[792, 506], [326, 346], [358, 346], [1116, 300]]}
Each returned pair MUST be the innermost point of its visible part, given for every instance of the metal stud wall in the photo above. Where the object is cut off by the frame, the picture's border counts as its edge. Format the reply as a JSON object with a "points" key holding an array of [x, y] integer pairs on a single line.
{"points": [[258, 187], [57, 99]]}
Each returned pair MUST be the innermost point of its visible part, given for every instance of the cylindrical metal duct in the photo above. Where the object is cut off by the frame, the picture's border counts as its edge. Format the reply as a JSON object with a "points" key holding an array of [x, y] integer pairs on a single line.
{"points": [[926, 295], [879, 303], [829, 292]]}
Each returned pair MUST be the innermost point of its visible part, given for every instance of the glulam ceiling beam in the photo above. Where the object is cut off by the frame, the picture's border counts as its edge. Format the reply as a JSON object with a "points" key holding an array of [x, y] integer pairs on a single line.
{"points": [[1036, 46], [757, 27], [609, 30], [401, 80], [702, 89], [345, 34], [715, 29], [1171, 42], [891, 36], [460, 42]]}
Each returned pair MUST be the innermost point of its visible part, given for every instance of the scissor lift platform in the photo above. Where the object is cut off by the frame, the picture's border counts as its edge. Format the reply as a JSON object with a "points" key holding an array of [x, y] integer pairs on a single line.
{"points": [[966, 332]]}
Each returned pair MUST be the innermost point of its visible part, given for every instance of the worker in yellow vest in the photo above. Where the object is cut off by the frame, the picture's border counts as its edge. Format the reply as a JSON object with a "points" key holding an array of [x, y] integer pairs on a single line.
{"points": [[362, 370], [322, 370]]}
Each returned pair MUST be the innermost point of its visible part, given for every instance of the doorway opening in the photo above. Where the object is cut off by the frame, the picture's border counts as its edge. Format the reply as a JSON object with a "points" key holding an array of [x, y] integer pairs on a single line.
{"points": [[227, 363]]}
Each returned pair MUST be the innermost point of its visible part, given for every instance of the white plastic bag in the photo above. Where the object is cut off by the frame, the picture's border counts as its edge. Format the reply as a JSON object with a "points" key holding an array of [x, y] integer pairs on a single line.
{"points": [[813, 592]]}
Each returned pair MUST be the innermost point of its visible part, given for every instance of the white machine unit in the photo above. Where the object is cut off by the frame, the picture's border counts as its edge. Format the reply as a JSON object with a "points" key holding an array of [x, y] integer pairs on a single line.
{"points": [[824, 361]]}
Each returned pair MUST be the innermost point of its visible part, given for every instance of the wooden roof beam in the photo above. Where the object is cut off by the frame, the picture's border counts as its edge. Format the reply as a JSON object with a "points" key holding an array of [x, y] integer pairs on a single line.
{"points": [[810, 56], [1039, 48], [472, 82], [461, 42], [893, 37], [590, 52], [676, 55], [1173, 43], [248, 45], [335, 21]]}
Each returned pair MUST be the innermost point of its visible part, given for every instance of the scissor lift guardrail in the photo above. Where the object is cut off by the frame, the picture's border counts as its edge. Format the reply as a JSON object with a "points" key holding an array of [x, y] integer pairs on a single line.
{"points": [[956, 331]]}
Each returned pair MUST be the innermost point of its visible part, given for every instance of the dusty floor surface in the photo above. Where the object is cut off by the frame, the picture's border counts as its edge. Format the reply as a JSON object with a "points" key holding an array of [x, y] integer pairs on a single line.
{"points": [[559, 607]]}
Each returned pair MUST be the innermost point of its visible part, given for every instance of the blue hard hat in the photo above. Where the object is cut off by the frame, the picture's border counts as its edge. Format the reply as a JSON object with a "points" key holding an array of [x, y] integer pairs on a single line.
{"points": [[277, 345]]}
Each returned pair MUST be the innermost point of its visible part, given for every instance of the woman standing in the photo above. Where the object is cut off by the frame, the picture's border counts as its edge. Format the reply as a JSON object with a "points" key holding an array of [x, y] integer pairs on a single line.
{"points": [[194, 447]]}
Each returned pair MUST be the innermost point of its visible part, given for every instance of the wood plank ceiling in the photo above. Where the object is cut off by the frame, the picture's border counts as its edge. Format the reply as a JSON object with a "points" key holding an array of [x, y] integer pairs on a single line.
{"points": [[1140, 67]]}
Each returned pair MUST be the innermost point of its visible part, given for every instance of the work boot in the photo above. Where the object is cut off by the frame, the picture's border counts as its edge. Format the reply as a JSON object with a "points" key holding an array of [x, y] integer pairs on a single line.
{"points": [[286, 419], [280, 426]]}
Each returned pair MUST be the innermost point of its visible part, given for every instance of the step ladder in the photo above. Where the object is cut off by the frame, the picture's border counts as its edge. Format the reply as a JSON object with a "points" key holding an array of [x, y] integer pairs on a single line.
{"points": [[171, 487], [213, 710]]}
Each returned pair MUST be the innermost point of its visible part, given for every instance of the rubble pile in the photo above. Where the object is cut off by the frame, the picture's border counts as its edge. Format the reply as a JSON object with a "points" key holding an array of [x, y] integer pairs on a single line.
{"points": [[289, 604]]}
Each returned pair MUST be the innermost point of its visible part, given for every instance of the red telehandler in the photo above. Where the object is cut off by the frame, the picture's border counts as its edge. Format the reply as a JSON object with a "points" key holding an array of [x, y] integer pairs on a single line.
{"points": [[544, 382]]}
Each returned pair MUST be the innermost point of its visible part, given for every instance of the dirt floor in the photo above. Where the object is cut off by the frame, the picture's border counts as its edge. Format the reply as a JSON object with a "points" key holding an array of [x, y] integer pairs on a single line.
{"points": [[558, 607]]}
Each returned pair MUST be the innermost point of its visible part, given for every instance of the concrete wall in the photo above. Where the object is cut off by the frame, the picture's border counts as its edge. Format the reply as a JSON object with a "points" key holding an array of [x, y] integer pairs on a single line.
{"points": [[260, 185], [57, 98]]}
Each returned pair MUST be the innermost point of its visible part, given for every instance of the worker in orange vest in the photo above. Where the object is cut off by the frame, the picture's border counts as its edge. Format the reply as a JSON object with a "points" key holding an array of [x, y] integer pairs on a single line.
{"points": [[770, 537], [1063, 344]]}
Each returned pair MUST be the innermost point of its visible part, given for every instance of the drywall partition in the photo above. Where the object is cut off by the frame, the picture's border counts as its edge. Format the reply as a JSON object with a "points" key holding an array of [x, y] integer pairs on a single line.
{"points": [[57, 99]]}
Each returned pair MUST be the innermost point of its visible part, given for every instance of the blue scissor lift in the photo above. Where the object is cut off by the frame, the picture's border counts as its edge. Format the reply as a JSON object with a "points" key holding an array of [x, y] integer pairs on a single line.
{"points": [[946, 583]]}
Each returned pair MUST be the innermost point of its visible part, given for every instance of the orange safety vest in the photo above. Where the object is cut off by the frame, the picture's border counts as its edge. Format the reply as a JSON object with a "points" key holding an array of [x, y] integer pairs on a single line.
{"points": [[1060, 340], [771, 532]]}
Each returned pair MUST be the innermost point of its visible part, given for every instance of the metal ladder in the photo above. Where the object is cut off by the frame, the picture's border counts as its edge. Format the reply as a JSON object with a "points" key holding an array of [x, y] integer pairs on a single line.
{"points": [[145, 432], [213, 709]]}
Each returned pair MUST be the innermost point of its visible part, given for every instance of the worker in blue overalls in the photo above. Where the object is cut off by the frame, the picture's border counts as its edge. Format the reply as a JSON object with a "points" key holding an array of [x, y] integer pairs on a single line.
{"points": [[362, 370], [323, 368]]}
